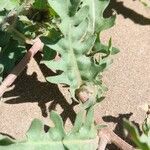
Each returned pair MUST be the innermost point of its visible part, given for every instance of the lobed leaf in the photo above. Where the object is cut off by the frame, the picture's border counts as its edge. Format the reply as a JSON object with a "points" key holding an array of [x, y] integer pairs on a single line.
{"points": [[80, 24], [57, 132], [85, 130], [56, 138]]}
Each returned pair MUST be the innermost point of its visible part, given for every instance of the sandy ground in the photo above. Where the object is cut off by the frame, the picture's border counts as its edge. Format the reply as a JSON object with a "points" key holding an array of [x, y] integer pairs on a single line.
{"points": [[128, 79]]}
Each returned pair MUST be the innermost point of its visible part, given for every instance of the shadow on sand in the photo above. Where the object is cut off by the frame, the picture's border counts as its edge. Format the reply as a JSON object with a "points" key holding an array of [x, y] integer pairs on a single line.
{"points": [[119, 129], [29, 89], [126, 13]]}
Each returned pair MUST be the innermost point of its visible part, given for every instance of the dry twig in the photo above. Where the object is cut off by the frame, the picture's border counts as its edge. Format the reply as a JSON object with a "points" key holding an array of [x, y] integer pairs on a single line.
{"points": [[8, 81], [107, 136]]}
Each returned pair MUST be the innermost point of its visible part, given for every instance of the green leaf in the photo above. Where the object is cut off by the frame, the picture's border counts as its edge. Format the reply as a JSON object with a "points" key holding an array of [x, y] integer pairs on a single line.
{"points": [[145, 3], [5, 37], [145, 139], [75, 144], [98, 127], [40, 4], [57, 133], [90, 118], [99, 99], [60, 7], [49, 54], [9, 4], [4, 140], [58, 79], [83, 13], [88, 129], [3, 13], [55, 65], [10, 55], [134, 134], [85, 131], [101, 48], [1, 68], [24, 19], [74, 6], [97, 22], [106, 23], [78, 122], [76, 43], [114, 51], [80, 25], [36, 139], [36, 130], [56, 138]]}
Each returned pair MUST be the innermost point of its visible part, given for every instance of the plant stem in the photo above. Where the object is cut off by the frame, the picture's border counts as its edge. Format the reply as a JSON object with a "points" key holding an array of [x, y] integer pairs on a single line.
{"points": [[108, 136], [103, 141], [38, 45]]}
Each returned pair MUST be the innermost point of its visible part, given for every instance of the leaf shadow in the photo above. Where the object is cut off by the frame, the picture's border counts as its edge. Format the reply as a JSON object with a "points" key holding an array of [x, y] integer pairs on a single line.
{"points": [[7, 135], [29, 89], [119, 129], [126, 12]]}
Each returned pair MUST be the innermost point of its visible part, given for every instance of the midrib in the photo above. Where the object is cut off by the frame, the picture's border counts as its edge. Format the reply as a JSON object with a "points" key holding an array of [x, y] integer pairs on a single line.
{"points": [[93, 15], [74, 60], [56, 142]]}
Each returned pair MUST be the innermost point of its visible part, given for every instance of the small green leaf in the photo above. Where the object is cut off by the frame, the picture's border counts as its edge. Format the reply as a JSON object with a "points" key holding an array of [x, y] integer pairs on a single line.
{"points": [[132, 130], [60, 7], [36, 139], [89, 118], [106, 23], [36, 130], [5, 37], [99, 127], [9, 4], [57, 133], [10, 54], [4, 140], [78, 122], [99, 99], [83, 13], [85, 131], [40, 4], [25, 20], [58, 79], [74, 6], [49, 54]]}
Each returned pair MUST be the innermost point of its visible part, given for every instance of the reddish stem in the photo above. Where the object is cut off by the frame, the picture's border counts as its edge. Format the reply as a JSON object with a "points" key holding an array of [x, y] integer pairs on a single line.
{"points": [[38, 45], [107, 136]]}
